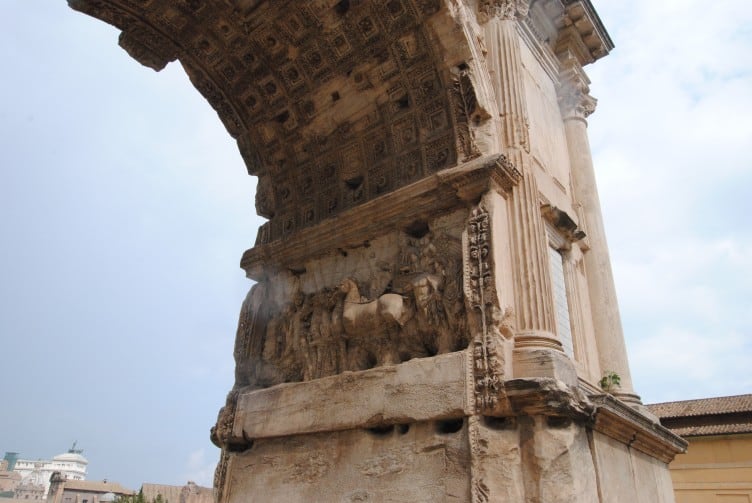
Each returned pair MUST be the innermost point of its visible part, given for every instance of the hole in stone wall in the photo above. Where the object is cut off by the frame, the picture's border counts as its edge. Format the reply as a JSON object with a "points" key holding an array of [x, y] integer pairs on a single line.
{"points": [[381, 431], [558, 421], [298, 271], [449, 426], [403, 428], [335, 96], [355, 182], [370, 362], [240, 446], [403, 102], [282, 118], [342, 7], [418, 229], [405, 357], [430, 348], [500, 423]]}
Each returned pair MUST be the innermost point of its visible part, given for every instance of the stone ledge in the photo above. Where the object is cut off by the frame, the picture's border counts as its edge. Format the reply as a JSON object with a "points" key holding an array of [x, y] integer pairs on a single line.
{"points": [[619, 421], [435, 388], [603, 413], [418, 390]]}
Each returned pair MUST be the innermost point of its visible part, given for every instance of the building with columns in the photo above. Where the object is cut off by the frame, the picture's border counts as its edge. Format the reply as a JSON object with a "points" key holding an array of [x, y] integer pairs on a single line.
{"points": [[434, 309], [35, 474]]}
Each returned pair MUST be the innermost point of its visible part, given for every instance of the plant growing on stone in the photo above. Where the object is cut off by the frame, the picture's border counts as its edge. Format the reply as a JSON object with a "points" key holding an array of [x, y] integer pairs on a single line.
{"points": [[610, 381]]}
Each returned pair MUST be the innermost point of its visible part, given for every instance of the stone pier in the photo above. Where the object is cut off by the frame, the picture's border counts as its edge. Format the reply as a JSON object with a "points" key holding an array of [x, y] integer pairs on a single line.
{"points": [[433, 306]]}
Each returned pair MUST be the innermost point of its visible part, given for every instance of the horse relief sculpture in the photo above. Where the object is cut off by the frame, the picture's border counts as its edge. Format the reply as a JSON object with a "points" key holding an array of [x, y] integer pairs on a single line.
{"points": [[374, 325], [411, 310]]}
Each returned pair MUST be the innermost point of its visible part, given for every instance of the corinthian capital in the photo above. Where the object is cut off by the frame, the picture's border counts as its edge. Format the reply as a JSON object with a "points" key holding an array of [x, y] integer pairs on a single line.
{"points": [[575, 101], [575, 104], [503, 9]]}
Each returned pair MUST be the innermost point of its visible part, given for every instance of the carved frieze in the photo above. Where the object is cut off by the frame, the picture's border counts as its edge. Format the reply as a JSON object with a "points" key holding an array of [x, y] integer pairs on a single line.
{"points": [[411, 306]]}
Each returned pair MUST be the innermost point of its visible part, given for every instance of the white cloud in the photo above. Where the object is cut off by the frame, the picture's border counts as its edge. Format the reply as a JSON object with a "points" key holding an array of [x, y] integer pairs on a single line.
{"points": [[670, 140], [200, 469], [679, 364]]}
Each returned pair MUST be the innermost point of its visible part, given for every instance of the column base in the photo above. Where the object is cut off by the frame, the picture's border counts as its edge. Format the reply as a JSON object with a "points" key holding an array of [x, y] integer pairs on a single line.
{"points": [[535, 360]]}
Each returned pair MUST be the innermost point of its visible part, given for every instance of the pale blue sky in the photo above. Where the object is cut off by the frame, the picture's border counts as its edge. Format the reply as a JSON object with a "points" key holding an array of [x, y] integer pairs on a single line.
{"points": [[125, 209]]}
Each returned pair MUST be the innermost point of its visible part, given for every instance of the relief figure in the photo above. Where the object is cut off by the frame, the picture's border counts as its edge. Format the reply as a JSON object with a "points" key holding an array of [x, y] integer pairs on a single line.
{"points": [[374, 324]]}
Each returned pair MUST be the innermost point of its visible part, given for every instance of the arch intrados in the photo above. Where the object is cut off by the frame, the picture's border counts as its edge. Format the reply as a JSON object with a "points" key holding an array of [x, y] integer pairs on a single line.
{"points": [[332, 103]]}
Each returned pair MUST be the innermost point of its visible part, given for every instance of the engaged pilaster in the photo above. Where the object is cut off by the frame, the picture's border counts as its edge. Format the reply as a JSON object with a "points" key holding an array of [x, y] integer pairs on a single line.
{"points": [[538, 350]]}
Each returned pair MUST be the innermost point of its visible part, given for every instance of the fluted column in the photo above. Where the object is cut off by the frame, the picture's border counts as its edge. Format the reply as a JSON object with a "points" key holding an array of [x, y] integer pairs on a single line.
{"points": [[532, 282], [576, 106]]}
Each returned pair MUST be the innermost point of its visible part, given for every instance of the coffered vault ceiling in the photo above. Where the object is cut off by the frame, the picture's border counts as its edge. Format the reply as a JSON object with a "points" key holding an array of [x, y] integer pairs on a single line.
{"points": [[332, 102]]}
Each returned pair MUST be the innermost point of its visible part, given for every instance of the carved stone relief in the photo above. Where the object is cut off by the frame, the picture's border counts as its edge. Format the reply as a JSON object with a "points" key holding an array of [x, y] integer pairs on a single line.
{"points": [[409, 305], [504, 9], [490, 324]]}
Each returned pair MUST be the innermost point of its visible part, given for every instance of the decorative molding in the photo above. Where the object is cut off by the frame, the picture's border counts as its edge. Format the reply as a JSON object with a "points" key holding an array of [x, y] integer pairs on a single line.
{"points": [[491, 324], [582, 32], [602, 412], [479, 490], [503, 9], [618, 420], [220, 475], [448, 189], [562, 222], [575, 101], [467, 112]]}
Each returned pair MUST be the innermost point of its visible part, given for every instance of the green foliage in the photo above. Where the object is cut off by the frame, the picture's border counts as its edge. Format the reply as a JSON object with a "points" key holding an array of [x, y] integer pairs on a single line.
{"points": [[610, 381]]}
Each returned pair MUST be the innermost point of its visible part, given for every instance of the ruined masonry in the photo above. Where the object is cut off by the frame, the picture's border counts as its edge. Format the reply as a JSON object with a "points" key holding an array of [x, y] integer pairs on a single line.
{"points": [[433, 316]]}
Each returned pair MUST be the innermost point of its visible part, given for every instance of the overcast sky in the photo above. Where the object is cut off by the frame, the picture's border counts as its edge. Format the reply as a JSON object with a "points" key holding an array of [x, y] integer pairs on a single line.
{"points": [[126, 207]]}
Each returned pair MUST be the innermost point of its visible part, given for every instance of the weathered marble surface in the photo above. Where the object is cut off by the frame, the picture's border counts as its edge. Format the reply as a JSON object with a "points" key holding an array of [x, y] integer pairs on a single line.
{"points": [[419, 162]]}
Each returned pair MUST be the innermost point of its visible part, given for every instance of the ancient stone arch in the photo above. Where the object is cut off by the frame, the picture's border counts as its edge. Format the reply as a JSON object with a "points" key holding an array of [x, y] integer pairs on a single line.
{"points": [[424, 168]]}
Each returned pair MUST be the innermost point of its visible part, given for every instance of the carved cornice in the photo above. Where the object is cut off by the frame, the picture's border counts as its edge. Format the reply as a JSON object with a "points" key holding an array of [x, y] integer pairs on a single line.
{"points": [[469, 183], [602, 412], [448, 189], [581, 31], [503, 9], [562, 223], [619, 421]]}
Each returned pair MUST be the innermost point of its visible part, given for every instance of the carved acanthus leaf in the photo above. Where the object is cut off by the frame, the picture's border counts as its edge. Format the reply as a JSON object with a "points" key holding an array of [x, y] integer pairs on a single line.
{"points": [[503, 9], [576, 104]]}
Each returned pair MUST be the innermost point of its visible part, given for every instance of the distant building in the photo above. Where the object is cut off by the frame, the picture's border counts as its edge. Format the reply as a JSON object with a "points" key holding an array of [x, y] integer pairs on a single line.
{"points": [[717, 467], [9, 479], [189, 493], [36, 473], [84, 491]]}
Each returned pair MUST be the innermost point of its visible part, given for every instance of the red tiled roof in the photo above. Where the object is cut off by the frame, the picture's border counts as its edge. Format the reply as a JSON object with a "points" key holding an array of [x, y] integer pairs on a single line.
{"points": [[703, 407], [713, 429]]}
